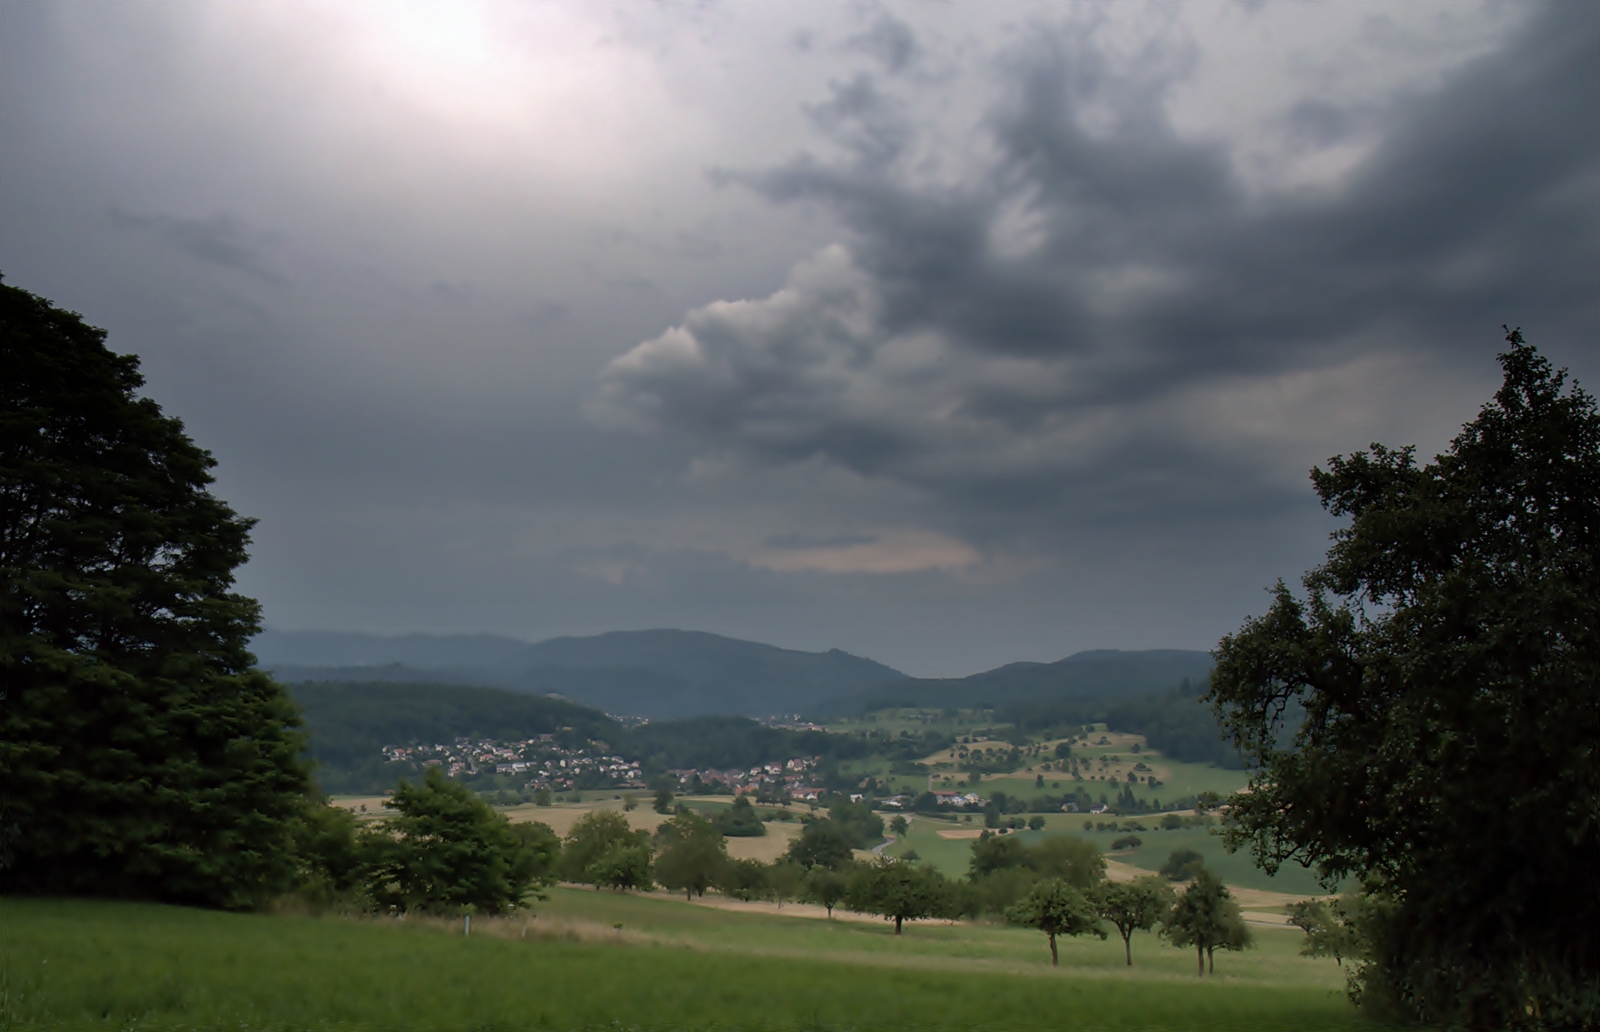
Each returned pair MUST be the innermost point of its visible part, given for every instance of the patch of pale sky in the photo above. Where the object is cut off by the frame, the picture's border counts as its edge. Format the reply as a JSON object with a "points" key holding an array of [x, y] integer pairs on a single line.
{"points": [[1255, 63]]}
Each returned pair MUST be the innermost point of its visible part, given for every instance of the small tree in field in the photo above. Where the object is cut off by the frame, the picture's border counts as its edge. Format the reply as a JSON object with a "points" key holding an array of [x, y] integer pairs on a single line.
{"points": [[899, 826], [826, 887], [744, 879], [1330, 928], [1056, 908], [1207, 917], [1133, 906], [898, 891], [693, 854], [446, 850], [821, 842], [785, 881], [623, 867], [596, 834]]}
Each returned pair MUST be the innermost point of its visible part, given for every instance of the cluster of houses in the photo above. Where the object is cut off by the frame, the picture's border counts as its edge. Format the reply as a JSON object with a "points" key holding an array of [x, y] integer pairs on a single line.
{"points": [[544, 763], [785, 779]]}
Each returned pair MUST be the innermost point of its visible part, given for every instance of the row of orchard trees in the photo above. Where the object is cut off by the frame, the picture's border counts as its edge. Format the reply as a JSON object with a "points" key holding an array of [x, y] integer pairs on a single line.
{"points": [[446, 851]]}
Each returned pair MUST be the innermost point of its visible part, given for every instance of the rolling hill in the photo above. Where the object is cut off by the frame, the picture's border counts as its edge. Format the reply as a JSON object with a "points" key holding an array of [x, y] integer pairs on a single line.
{"points": [[1101, 674], [661, 674]]}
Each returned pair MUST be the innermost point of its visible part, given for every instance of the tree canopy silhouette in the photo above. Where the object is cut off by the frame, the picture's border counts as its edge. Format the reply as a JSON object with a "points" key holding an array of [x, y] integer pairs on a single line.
{"points": [[142, 753], [1426, 717]]}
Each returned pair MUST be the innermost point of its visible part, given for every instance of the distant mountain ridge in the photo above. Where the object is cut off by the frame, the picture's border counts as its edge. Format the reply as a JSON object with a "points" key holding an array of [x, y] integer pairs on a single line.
{"points": [[1082, 676], [660, 674], [669, 674]]}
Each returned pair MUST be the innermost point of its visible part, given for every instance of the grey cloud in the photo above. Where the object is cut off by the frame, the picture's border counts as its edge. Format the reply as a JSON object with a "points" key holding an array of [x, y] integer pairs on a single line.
{"points": [[220, 240], [810, 541], [1023, 334], [889, 40]]}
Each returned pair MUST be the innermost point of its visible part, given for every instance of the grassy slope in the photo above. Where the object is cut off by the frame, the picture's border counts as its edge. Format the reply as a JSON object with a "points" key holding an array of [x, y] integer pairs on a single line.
{"points": [[672, 965]]}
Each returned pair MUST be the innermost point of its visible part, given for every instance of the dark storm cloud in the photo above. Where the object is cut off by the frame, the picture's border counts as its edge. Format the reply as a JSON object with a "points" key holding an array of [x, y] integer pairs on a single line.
{"points": [[1015, 336]]}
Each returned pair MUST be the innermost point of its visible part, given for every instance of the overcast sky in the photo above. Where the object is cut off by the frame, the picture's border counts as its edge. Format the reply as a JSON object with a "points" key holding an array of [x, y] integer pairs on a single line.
{"points": [[946, 334]]}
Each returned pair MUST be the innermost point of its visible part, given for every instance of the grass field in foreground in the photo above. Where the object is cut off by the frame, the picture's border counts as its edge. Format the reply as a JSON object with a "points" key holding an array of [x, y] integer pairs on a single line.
{"points": [[672, 965]]}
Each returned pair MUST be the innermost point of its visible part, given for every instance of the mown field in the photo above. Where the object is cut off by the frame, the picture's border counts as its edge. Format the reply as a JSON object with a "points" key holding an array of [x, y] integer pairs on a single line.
{"points": [[592, 960]]}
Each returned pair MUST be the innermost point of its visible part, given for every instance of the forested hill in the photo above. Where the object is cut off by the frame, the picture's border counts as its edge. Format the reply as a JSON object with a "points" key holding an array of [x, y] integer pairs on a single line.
{"points": [[348, 725], [1100, 674], [660, 674]]}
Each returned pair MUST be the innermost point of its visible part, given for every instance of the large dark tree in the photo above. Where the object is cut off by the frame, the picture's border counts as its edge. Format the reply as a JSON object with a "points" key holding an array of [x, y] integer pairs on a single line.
{"points": [[1427, 717], [141, 754]]}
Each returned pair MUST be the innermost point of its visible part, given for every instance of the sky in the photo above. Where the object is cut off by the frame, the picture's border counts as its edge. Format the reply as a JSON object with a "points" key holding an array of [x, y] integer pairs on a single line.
{"points": [[945, 334]]}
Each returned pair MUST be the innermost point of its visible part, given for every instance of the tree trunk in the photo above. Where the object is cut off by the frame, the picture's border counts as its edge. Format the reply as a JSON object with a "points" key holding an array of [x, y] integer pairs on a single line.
{"points": [[1211, 960], [688, 894], [1200, 958], [897, 924], [1127, 945], [1054, 960]]}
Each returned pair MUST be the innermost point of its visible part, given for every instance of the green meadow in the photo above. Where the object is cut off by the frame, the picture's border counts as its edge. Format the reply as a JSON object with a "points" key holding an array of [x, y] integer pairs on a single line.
{"points": [[591, 960]]}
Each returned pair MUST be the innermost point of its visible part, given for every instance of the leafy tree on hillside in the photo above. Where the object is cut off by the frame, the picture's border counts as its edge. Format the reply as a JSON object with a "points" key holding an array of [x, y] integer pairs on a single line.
{"points": [[898, 891], [1432, 698], [744, 879], [663, 803], [899, 826], [1206, 916], [862, 828], [693, 854], [1329, 926], [740, 820], [141, 752], [1056, 908], [1075, 860], [1133, 906], [330, 861], [596, 834], [1181, 865], [825, 887], [445, 850], [785, 881], [992, 853], [623, 867], [821, 843]]}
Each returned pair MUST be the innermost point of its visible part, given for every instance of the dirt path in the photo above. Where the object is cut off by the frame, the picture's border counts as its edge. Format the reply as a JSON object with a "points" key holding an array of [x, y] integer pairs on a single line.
{"points": [[739, 906]]}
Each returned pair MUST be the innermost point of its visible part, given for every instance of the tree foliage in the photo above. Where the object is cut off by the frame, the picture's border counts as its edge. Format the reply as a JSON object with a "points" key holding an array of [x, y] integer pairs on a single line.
{"points": [[141, 752], [1207, 917], [744, 879], [594, 846], [897, 891], [822, 843], [446, 851], [693, 854], [1330, 927], [825, 887], [1002, 869], [1056, 908], [1133, 906], [1433, 697], [740, 820]]}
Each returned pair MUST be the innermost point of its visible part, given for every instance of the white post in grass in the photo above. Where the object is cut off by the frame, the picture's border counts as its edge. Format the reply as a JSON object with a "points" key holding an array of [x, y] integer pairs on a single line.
{"points": [[466, 925]]}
